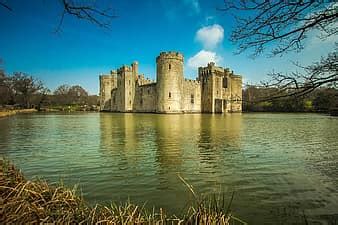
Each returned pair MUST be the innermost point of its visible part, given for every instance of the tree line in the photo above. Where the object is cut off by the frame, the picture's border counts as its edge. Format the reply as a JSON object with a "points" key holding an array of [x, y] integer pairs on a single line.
{"points": [[22, 90], [258, 99]]}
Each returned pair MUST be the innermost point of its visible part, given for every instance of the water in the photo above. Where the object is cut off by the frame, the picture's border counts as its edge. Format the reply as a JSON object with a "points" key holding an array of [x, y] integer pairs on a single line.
{"points": [[278, 165]]}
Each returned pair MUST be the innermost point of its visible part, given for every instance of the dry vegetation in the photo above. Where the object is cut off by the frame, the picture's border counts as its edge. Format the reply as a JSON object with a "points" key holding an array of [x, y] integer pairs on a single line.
{"points": [[23, 201], [13, 112]]}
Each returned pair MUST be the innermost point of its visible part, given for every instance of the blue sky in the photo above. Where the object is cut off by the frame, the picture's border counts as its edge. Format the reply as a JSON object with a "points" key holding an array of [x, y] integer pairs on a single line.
{"points": [[83, 51]]}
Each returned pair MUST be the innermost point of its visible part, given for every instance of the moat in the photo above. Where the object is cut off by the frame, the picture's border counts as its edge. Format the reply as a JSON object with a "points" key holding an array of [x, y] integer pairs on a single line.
{"points": [[277, 164]]}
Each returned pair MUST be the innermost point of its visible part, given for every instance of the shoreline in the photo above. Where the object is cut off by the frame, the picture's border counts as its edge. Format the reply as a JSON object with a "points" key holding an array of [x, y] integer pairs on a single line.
{"points": [[36, 201], [15, 111]]}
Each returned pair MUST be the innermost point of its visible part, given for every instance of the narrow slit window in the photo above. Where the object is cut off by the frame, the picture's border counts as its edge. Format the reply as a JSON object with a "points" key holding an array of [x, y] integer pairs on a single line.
{"points": [[192, 99], [169, 66], [225, 82], [169, 94]]}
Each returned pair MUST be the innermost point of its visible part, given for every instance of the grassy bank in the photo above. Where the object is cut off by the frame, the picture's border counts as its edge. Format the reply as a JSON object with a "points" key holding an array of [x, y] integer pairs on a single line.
{"points": [[15, 111], [23, 201]]}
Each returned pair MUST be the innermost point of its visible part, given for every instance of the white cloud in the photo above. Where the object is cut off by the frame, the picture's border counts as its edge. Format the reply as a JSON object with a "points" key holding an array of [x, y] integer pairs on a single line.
{"points": [[202, 58], [210, 36]]}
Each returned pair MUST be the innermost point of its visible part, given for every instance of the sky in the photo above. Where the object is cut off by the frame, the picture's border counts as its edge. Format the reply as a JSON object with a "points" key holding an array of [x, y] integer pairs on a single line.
{"points": [[81, 51]]}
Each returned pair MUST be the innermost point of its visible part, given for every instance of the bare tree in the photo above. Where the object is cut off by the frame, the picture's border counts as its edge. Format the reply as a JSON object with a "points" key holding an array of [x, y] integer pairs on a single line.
{"points": [[324, 72], [25, 87], [278, 27], [88, 10]]}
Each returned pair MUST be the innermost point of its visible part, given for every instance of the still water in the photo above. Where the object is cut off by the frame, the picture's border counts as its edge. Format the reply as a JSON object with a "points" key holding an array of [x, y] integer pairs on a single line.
{"points": [[278, 165]]}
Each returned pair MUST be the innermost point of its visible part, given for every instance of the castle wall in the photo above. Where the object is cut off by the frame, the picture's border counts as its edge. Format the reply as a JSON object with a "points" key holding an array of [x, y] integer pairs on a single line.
{"points": [[236, 93], [217, 90], [191, 101], [126, 80], [114, 100], [145, 98], [207, 86], [107, 83]]}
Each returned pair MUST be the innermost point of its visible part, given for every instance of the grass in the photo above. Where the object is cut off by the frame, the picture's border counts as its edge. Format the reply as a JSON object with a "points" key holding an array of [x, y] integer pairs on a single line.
{"points": [[23, 201], [13, 112]]}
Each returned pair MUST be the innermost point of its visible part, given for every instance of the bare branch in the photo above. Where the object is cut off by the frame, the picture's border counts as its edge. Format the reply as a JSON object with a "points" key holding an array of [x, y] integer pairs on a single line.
{"points": [[279, 25], [87, 11], [3, 4], [298, 84]]}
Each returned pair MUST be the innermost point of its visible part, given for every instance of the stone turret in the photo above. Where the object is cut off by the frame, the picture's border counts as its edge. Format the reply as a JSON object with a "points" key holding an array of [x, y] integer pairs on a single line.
{"points": [[169, 75]]}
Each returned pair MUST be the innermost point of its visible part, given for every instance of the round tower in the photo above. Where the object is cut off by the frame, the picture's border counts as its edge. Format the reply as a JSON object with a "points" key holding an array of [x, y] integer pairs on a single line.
{"points": [[169, 87]]}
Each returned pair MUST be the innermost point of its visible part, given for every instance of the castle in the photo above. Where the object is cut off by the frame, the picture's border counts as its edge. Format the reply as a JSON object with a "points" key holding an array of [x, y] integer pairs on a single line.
{"points": [[216, 90]]}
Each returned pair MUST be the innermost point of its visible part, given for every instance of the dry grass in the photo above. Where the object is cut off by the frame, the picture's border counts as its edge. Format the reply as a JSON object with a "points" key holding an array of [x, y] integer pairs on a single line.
{"points": [[23, 201], [16, 111]]}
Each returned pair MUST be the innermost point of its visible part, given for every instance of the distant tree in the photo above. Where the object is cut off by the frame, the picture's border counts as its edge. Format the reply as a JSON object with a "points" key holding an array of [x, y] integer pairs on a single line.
{"points": [[61, 95], [43, 98], [278, 27], [325, 99], [78, 94], [66, 95], [24, 87], [5, 91]]}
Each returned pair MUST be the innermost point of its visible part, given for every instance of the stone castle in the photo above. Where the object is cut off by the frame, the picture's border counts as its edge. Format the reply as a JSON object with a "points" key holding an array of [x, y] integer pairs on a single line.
{"points": [[215, 90]]}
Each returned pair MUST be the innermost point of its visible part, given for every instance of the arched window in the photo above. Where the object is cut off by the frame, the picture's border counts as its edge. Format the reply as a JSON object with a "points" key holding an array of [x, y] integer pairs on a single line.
{"points": [[169, 94]]}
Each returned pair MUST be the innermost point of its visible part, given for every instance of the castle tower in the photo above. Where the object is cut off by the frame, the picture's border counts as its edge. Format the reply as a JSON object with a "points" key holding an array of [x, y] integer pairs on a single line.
{"points": [[169, 75], [126, 87], [107, 83]]}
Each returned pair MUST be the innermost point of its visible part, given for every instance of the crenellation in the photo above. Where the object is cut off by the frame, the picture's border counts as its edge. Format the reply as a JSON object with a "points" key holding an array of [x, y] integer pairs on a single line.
{"points": [[215, 89]]}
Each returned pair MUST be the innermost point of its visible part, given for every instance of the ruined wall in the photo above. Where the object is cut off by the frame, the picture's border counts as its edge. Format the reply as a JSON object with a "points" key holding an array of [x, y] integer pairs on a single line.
{"points": [[191, 101], [236, 93], [114, 100], [169, 75], [145, 98], [107, 83]]}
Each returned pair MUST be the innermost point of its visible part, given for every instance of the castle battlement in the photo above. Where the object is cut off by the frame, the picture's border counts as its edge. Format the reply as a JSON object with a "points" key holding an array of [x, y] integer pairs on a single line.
{"points": [[124, 68], [192, 81], [170, 55], [171, 92]]}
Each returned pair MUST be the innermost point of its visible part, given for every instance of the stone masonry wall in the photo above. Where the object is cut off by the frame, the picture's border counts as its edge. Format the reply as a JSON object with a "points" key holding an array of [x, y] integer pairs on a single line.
{"points": [[191, 96], [217, 90], [145, 98]]}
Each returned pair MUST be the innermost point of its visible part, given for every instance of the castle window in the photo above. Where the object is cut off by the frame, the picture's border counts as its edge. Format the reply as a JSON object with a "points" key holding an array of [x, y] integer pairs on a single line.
{"points": [[148, 91], [192, 99], [141, 101], [169, 66], [225, 82], [169, 94], [129, 102], [129, 82]]}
